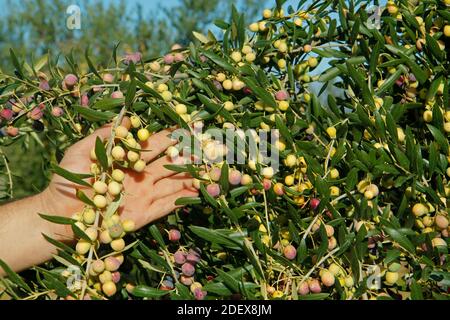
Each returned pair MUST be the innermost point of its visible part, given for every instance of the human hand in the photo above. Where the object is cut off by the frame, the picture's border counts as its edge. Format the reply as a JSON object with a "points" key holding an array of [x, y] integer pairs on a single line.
{"points": [[148, 196]]}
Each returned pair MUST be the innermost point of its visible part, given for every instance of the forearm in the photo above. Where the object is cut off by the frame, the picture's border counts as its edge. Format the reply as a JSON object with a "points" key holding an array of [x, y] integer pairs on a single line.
{"points": [[21, 242]]}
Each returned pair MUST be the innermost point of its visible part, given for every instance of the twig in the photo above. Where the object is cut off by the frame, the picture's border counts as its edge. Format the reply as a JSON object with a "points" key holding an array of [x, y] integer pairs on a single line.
{"points": [[103, 179]]}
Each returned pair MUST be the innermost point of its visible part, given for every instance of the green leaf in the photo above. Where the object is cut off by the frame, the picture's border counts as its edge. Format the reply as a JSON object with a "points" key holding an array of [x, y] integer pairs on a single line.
{"points": [[416, 291], [16, 63], [58, 244], [215, 108], [389, 82], [90, 64], [93, 115], [73, 177], [142, 291], [131, 93], [314, 296], [80, 233], [57, 219], [207, 196], [400, 239], [433, 45], [224, 183], [154, 231], [108, 103], [219, 61], [14, 277], [260, 92], [285, 133], [100, 152], [188, 201], [216, 236], [83, 197], [439, 137]]}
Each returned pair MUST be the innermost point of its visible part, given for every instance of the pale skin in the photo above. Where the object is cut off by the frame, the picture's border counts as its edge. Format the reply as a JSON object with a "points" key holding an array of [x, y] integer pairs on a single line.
{"points": [[149, 196]]}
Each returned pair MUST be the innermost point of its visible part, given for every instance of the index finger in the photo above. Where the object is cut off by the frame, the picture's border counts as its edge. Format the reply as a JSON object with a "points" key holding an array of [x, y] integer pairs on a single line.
{"points": [[157, 144]]}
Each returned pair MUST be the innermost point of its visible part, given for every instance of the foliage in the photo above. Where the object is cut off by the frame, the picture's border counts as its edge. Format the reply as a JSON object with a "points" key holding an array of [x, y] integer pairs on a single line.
{"points": [[363, 190]]}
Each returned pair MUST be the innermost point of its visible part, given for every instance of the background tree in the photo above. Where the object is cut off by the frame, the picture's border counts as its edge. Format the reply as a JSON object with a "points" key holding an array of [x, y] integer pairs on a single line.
{"points": [[35, 27]]}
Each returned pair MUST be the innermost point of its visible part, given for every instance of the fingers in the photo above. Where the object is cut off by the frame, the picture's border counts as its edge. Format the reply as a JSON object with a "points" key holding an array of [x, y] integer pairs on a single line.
{"points": [[157, 144], [171, 185], [166, 205], [88, 143], [157, 171]]}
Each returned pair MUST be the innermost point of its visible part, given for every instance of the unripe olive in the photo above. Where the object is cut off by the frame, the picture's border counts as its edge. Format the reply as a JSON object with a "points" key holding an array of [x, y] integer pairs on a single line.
{"points": [[419, 209], [105, 237], [105, 276], [215, 174], [89, 216], [327, 278], [112, 264], [334, 173], [118, 245], [332, 243], [441, 222], [394, 267], [330, 230], [114, 188], [314, 286], [100, 187], [334, 191], [187, 281], [312, 62], [290, 252], [278, 188], [109, 288], [246, 180], [428, 116], [143, 135], [82, 247], [139, 166], [118, 153], [92, 233], [303, 289], [291, 160], [128, 225], [116, 231], [281, 63], [236, 56], [283, 105], [181, 109], [98, 266], [121, 132], [118, 175], [167, 96], [331, 131], [267, 172], [117, 95], [438, 242], [100, 201], [349, 282], [391, 277]]}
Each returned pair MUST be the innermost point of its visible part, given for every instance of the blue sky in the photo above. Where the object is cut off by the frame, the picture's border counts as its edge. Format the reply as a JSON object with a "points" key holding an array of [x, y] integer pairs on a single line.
{"points": [[146, 4]]}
